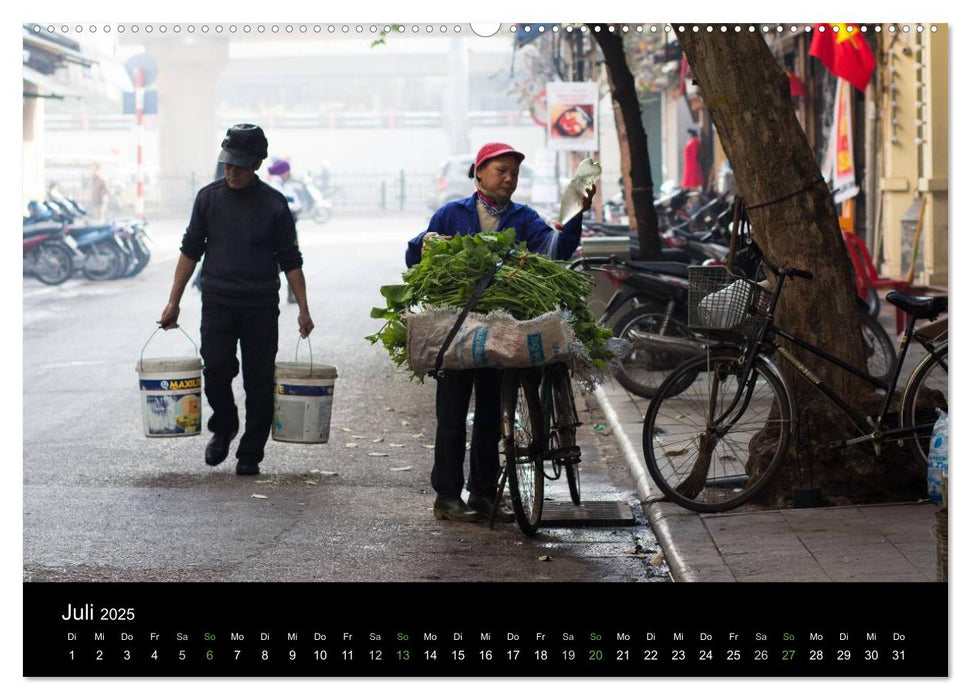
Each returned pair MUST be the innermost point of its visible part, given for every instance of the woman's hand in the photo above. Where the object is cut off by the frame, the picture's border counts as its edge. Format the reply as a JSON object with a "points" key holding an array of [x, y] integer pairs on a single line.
{"points": [[432, 236], [588, 198]]}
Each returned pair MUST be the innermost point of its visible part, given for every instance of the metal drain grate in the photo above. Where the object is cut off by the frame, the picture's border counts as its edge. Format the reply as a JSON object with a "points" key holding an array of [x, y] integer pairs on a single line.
{"points": [[592, 513]]}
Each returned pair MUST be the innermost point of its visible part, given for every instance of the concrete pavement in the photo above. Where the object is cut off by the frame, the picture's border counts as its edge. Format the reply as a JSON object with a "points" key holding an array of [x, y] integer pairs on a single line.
{"points": [[875, 543]]}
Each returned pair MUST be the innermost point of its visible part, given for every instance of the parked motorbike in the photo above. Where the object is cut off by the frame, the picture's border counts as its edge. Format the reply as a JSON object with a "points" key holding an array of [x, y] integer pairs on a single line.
{"points": [[656, 296], [132, 232], [104, 254], [674, 206], [48, 254], [135, 238], [596, 228], [314, 205]]}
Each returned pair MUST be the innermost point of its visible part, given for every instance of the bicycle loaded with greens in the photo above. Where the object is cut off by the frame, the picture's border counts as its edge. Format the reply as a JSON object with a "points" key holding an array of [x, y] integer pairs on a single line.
{"points": [[720, 425], [538, 421]]}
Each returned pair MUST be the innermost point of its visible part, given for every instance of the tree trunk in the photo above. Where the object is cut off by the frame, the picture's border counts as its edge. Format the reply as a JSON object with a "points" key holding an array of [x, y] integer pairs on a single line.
{"points": [[635, 164], [747, 95]]}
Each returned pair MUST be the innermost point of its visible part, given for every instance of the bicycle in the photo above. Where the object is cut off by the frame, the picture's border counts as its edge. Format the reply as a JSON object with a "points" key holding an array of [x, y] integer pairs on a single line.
{"points": [[538, 424], [657, 330], [721, 424]]}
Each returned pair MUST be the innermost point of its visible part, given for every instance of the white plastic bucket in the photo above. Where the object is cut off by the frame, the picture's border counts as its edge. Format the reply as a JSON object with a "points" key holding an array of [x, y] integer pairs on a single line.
{"points": [[304, 395], [171, 391]]}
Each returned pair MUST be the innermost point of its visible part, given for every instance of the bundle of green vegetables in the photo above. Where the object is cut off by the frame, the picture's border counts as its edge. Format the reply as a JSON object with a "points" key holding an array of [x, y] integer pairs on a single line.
{"points": [[526, 286]]}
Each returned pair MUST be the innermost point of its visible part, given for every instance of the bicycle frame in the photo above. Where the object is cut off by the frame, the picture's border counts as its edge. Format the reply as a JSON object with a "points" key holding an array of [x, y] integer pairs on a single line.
{"points": [[869, 432], [560, 454], [557, 414]]}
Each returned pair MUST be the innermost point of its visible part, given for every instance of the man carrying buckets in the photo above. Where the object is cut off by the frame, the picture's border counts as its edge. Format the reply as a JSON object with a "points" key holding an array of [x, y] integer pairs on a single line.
{"points": [[244, 229]]}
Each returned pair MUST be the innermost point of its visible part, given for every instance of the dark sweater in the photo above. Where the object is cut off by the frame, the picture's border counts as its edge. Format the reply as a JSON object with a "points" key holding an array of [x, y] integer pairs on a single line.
{"points": [[247, 237]]}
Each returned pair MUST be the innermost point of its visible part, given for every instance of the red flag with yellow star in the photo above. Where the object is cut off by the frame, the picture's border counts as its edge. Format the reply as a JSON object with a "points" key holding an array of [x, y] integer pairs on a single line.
{"points": [[844, 52]]}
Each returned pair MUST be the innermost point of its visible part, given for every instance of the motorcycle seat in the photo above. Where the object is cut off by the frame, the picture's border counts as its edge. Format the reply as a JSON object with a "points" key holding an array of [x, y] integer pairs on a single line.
{"points": [[660, 267], [41, 227]]}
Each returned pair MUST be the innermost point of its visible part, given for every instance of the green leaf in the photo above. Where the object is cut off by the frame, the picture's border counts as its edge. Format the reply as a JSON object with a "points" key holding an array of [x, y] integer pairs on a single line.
{"points": [[397, 294]]}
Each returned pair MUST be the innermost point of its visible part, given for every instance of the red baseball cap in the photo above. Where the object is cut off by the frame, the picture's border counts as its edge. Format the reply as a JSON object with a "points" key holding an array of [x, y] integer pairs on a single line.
{"points": [[493, 150]]}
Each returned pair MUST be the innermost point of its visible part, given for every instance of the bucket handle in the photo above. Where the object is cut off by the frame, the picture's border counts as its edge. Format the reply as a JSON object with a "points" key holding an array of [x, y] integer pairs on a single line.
{"points": [[141, 357], [310, 348]]}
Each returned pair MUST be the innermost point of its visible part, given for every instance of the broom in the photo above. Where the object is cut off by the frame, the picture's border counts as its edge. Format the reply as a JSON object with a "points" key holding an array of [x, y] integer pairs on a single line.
{"points": [[693, 485]]}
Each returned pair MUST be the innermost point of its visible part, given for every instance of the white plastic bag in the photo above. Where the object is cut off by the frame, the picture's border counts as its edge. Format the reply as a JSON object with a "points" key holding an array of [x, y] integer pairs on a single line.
{"points": [[588, 172], [937, 458], [726, 308]]}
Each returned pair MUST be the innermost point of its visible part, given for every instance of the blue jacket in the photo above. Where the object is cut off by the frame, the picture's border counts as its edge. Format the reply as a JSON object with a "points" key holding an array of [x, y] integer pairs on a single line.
{"points": [[460, 218]]}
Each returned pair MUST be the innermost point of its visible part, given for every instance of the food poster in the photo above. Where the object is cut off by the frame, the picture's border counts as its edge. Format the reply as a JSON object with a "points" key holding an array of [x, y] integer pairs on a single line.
{"points": [[572, 116]]}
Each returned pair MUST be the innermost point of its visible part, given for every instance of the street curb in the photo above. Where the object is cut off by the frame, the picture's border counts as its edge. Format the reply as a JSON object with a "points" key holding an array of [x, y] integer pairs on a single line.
{"points": [[703, 562]]}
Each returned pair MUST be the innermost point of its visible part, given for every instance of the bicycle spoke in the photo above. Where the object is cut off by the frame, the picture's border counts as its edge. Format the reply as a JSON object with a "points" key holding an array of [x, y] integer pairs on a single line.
{"points": [[523, 448]]}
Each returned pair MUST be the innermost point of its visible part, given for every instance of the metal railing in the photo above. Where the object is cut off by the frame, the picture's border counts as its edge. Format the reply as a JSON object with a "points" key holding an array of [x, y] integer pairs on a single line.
{"points": [[350, 192], [379, 191]]}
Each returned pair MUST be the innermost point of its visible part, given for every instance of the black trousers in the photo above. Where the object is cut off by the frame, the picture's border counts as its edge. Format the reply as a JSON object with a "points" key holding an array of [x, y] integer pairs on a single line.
{"points": [[452, 406], [256, 330]]}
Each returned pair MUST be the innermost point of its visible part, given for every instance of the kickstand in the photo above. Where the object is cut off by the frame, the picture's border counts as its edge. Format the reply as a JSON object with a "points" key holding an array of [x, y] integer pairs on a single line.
{"points": [[498, 498]]}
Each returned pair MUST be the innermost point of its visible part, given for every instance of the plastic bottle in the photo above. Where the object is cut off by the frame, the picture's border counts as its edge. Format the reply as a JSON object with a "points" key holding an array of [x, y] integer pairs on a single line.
{"points": [[937, 458]]}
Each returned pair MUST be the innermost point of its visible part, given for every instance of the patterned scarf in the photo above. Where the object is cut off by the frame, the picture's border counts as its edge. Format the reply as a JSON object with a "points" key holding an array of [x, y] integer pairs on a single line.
{"points": [[493, 207]]}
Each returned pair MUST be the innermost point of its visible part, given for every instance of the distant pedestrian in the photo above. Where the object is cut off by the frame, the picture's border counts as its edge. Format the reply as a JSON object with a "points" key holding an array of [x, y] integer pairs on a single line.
{"points": [[281, 179], [99, 193], [692, 178]]}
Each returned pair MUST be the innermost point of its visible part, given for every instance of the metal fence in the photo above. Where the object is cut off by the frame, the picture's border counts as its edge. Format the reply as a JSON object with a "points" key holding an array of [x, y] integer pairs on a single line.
{"points": [[349, 192], [379, 191]]}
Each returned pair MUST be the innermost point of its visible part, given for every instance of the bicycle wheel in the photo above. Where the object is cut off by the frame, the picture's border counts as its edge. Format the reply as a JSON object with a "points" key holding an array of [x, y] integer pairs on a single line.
{"points": [[643, 370], [714, 444], [925, 393], [562, 428], [880, 353], [522, 431]]}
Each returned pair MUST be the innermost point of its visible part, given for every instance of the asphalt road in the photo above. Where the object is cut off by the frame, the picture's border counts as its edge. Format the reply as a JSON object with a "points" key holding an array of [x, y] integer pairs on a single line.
{"points": [[104, 503]]}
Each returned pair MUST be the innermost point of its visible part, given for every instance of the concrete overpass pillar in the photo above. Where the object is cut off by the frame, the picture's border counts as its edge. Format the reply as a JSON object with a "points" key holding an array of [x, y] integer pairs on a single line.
{"points": [[456, 98], [189, 70]]}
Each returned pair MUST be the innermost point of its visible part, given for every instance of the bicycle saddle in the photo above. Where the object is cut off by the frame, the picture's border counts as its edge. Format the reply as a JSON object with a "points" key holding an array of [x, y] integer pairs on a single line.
{"points": [[918, 307]]}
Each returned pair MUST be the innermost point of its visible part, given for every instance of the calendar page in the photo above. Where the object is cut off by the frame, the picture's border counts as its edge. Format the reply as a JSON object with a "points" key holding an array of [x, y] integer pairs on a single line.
{"points": [[739, 471]]}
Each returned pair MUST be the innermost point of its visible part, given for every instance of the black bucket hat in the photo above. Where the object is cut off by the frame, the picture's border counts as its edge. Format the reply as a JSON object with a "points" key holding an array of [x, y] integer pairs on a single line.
{"points": [[244, 146]]}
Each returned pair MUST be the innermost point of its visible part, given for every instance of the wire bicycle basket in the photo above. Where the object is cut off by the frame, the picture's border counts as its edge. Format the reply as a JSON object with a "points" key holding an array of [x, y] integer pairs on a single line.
{"points": [[724, 306]]}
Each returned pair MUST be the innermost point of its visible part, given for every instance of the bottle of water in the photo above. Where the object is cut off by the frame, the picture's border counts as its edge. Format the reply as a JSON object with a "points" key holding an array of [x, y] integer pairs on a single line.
{"points": [[937, 458]]}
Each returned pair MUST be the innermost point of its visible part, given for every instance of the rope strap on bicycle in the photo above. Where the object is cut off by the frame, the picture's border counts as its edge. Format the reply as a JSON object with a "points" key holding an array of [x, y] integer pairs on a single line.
{"points": [[476, 294], [788, 196]]}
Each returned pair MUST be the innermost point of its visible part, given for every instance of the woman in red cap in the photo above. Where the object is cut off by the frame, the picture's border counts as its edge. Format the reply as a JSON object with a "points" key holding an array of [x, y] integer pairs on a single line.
{"points": [[496, 173]]}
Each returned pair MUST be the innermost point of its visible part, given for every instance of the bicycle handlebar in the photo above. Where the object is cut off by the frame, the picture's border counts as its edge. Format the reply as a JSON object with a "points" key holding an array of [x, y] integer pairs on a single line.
{"points": [[587, 262]]}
